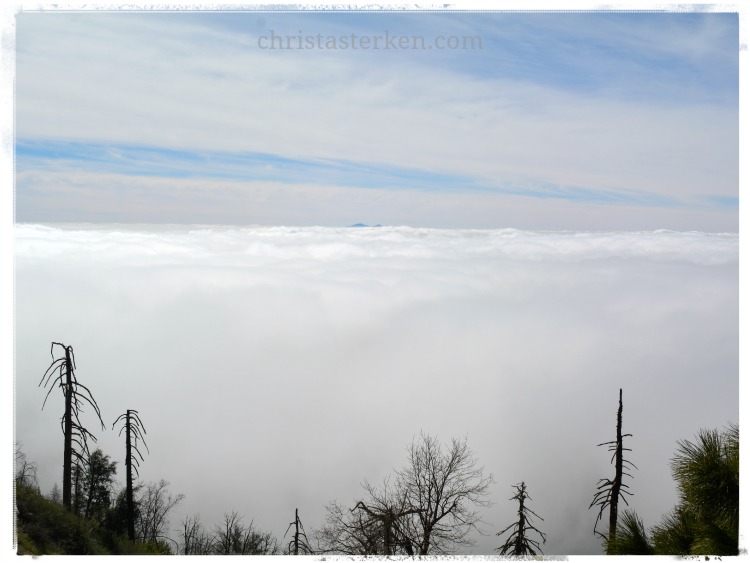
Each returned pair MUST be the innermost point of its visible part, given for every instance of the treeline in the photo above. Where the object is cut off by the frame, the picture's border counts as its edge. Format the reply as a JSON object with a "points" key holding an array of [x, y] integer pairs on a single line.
{"points": [[98, 524], [427, 507]]}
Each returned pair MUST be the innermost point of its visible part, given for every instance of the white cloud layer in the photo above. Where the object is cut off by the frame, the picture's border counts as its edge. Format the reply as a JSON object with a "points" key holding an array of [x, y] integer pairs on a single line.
{"points": [[276, 367]]}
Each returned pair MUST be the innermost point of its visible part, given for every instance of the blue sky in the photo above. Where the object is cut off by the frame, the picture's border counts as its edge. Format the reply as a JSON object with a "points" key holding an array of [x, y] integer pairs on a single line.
{"points": [[560, 120]]}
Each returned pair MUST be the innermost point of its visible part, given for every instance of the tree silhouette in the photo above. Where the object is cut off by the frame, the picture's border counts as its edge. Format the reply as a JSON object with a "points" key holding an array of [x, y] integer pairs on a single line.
{"points": [[25, 469], [76, 394], [195, 539], [518, 542], [370, 528], [610, 491], [431, 508], [444, 486], [386, 513], [97, 485], [232, 538], [347, 532], [134, 430], [155, 504], [299, 541]]}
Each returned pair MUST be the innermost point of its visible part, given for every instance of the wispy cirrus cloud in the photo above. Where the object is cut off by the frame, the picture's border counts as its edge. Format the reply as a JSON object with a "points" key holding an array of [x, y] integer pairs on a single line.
{"points": [[612, 113], [169, 163], [268, 189]]}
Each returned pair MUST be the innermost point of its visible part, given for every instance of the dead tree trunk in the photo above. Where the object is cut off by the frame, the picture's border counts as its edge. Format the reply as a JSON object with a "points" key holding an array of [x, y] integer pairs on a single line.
{"points": [[299, 540], [296, 531], [77, 491], [519, 542], [129, 481], [617, 483], [76, 436], [610, 491], [68, 431], [134, 431]]}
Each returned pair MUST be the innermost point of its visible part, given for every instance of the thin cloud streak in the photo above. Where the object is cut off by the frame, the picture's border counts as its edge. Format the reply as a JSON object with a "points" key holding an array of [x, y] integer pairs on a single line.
{"points": [[155, 162], [54, 194]]}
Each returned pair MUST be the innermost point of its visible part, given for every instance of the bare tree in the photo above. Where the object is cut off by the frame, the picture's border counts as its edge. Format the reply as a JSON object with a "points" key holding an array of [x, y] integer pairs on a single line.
{"points": [[388, 512], [347, 532], [610, 491], [225, 533], [76, 394], [377, 525], [232, 538], [134, 430], [155, 505], [25, 469], [431, 508], [519, 542], [443, 486], [195, 539]]}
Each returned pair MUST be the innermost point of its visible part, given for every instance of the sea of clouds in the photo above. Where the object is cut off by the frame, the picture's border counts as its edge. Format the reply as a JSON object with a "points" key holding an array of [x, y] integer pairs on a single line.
{"points": [[278, 367]]}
